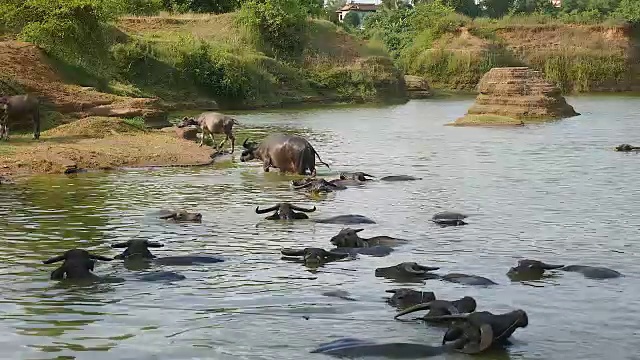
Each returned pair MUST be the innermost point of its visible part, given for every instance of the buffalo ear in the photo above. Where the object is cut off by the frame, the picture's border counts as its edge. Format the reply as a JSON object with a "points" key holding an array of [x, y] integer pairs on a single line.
{"points": [[55, 259], [120, 245]]}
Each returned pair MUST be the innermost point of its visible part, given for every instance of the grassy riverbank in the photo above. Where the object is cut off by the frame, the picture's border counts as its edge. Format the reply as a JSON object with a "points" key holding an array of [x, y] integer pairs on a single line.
{"points": [[453, 51]]}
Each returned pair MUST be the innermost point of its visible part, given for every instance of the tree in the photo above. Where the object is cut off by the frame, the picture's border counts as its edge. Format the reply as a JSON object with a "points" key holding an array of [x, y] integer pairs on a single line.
{"points": [[351, 19], [214, 6], [531, 6], [466, 7], [496, 8], [629, 10], [330, 9]]}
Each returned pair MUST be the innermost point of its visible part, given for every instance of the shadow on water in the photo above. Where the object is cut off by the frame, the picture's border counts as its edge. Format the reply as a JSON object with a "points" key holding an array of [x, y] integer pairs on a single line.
{"points": [[554, 192]]}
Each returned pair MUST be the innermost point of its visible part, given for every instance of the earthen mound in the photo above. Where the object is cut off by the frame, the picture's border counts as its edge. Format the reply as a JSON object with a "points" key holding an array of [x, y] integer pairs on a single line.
{"points": [[514, 96]]}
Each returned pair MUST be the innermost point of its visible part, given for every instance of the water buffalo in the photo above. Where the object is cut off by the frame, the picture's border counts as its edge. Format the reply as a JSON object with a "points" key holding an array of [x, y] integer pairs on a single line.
{"points": [[530, 270], [448, 218], [627, 148], [316, 185], [533, 269], [399, 178], [362, 177], [346, 220], [78, 265], [467, 279], [138, 249], [180, 216], [403, 298], [289, 153], [284, 211], [483, 329], [438, 308], [213, 123], [407, 270], [358, 348], [349, 238], [17, 107], [592, 272], [313, 256]]}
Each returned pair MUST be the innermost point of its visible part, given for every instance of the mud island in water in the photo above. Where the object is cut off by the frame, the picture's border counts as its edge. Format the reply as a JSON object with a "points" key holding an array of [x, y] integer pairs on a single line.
{"points": [[515, 96]]}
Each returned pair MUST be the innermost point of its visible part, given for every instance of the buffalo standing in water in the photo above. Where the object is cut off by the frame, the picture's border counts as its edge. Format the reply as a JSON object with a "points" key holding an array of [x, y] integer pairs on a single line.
{"points": [[78, 265], [284, 211], [289, 153], [14, 108]]}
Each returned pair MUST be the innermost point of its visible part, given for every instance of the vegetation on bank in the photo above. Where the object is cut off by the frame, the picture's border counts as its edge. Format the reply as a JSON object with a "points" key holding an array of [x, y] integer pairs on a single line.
{"points": [[583, 46], [265, 52]]}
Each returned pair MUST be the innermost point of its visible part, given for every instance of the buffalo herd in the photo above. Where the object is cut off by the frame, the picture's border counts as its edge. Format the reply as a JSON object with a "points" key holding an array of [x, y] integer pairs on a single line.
{"points": [[468, 331]]}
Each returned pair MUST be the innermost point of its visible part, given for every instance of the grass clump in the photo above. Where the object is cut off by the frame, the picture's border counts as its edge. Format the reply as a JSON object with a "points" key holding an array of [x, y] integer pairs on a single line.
{"points": [[95, 127]]}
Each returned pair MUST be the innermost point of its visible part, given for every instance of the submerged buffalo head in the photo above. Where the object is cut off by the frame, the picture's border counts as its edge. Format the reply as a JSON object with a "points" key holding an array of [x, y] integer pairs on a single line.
{"points": [[358, 175], [78, 264], [182, 216], [483, 329], [314, 256], [626, 147], [348, 237], [407, 270], [439, 308], [249, 152], [136, 249], [404, 297], [284, 211], [316, 185], [530, 269]]}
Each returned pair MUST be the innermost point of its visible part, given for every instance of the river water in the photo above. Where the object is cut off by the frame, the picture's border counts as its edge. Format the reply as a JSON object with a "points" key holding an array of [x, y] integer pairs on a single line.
{"points": [[555, 192]]}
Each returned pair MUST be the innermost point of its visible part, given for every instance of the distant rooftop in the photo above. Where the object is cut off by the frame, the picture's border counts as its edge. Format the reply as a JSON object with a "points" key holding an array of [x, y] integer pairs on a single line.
{"points": [[359, 7]]}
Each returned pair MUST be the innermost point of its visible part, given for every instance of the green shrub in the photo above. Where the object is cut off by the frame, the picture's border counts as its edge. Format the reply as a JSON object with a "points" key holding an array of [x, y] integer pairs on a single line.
{"points": [[202, 6], [217, 72], [278, 24], [142, 7], [351, 19]]}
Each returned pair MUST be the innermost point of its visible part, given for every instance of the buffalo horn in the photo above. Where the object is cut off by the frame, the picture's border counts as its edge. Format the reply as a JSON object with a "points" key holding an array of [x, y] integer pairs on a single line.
{"points": [[121, 245], [292, 252], [99, 257], [426, 306], [486, 339], [154, 244], [303, 209], [258, 211], [55, 259], [302, 186], [412, 268]]}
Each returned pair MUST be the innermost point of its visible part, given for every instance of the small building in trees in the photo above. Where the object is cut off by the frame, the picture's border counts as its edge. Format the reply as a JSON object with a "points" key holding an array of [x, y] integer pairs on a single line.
{"points": [[362, 10]]}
